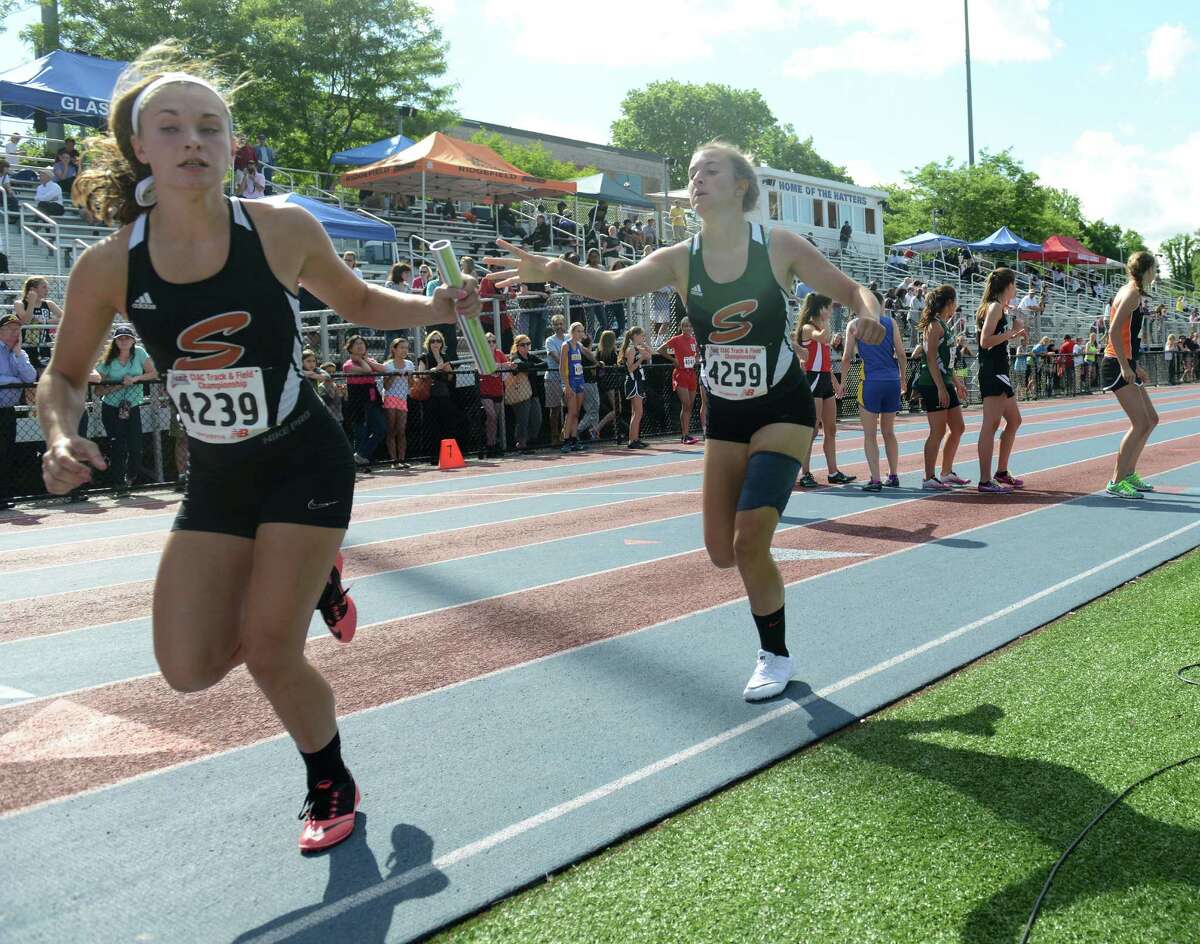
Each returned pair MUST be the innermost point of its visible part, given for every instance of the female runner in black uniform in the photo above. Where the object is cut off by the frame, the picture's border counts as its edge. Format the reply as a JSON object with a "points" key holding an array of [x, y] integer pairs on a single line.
{"points": [[995, 384], [761, 414], [211, 284]]}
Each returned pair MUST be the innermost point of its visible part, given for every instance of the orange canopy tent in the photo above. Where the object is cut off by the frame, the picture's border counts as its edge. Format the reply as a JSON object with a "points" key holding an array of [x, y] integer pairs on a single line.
{"points": [[443, 167]]}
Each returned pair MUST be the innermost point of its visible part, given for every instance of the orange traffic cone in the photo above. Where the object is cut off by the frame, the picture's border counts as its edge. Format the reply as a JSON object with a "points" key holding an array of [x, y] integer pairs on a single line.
{"points": [[451, 456]]}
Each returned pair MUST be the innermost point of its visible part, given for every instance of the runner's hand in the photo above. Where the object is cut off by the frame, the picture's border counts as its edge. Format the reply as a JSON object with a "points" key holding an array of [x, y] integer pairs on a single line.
{"points": [[1141, 373], [520, 266], [943, 396], [839, 389], [903, 387], [449, 301], [960, 388], [67, 463], [1128, 375]]}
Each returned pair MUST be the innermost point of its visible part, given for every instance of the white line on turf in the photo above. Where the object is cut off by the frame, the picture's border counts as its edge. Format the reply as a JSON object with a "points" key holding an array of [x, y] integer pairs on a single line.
{"points": [[556, 655], [320, 915]]}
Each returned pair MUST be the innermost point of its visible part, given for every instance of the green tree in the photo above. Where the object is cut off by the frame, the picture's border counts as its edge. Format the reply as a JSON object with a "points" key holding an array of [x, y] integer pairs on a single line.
{"points": [[321, 75], [534, 159], [1183, 257], [1110, 240], [673, 118]]}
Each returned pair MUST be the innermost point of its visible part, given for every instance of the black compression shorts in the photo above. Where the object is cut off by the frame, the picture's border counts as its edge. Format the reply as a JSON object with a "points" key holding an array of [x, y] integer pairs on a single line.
{"points": [[738, 420], [301, 472], [929, 398]]}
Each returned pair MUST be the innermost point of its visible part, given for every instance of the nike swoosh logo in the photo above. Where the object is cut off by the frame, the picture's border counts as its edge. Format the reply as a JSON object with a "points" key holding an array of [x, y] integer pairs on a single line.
{"points": [[314, 505]]}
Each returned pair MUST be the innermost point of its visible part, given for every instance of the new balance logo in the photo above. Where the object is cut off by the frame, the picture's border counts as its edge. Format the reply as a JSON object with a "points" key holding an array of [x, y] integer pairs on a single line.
{"points": [[144, 301], [697, 291]]}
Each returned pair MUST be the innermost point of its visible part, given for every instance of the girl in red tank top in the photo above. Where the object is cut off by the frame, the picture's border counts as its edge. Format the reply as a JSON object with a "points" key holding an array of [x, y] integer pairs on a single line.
{"points": [[684, 353], [813, 333]]}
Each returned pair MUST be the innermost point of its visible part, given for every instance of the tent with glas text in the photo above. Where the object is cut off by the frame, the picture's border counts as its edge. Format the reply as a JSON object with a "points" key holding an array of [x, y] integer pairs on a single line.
{"points": [[370, 153], [65, 86]]}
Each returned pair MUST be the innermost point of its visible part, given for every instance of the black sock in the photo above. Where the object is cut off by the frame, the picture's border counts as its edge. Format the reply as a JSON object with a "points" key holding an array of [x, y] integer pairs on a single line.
{"points": [[326, 764], [770, 632]]}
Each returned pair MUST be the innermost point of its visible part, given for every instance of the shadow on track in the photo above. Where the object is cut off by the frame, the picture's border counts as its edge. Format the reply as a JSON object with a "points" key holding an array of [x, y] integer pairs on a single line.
{"points": [[359, 900]]}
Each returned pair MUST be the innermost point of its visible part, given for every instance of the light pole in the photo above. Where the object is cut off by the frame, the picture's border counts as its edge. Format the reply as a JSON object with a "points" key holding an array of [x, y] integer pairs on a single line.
{"points": [[970, 116]]}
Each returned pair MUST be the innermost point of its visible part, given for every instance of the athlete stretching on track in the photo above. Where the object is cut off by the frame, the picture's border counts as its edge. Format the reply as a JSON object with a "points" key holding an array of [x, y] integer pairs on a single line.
{"points": [[760, 423], [1121, 375], [211, 284]]}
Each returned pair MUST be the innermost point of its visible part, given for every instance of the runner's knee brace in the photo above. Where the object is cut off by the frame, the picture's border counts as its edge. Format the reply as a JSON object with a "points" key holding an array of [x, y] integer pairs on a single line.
{"points": [[770, 477]]}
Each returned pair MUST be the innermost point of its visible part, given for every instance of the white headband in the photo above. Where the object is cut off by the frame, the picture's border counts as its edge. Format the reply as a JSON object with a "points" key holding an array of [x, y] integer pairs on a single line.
{"points": [[144, 192], [169, 78]]}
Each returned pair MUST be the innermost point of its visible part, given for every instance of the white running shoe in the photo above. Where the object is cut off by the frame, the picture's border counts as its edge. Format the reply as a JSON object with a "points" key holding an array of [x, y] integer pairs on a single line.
{"points": [[771, 675]]}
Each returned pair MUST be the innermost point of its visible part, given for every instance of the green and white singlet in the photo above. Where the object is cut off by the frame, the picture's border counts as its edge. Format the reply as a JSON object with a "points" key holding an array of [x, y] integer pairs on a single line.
{"points": [[744, 331]]}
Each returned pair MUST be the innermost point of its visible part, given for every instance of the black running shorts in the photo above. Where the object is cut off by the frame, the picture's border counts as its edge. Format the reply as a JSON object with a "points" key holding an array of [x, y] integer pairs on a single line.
{"points": [[301, 472], [738, 420], [929, 398], [1110, 374]]}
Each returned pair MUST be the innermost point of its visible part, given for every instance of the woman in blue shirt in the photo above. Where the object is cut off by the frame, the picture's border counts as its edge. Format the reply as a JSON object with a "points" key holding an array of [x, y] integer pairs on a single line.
{"points": [[124, 367]]}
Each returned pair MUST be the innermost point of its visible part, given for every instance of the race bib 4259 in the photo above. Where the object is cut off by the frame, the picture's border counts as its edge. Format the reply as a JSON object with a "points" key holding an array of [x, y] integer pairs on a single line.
{"points": [[220, 406], [736, 371]]}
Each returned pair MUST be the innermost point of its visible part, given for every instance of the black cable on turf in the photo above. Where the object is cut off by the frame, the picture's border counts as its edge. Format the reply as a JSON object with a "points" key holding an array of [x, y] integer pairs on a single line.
{"points": [[1037, 905]]}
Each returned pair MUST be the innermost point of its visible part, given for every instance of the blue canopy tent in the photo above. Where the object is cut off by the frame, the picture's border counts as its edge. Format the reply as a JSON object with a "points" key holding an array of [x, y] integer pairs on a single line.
{"points": [[930, 242], [607, 188], [370, 153], [338, 223], [1004, 240], [67, 86]]}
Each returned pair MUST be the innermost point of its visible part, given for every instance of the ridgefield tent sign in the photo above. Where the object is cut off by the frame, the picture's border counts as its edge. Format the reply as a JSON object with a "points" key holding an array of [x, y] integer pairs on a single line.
{"points": [[68, 86]]}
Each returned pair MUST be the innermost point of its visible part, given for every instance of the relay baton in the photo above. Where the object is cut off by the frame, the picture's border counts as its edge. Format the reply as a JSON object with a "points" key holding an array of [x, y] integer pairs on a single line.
{"points": [[470, 327]]}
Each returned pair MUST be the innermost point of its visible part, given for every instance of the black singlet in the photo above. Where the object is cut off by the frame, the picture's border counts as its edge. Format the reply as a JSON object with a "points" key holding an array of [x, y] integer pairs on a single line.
{"points": [[241, 317]]}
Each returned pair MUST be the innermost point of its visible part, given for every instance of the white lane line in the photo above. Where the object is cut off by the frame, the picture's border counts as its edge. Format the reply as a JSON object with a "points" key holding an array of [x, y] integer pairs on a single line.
{"points": [[320, 639], [583, 491], [917, 436], [10, 814], [320, 915]]}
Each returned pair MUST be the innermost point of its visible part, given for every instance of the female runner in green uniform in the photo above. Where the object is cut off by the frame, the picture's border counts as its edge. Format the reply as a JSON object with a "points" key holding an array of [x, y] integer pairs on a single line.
{"points": [[735, 277]]}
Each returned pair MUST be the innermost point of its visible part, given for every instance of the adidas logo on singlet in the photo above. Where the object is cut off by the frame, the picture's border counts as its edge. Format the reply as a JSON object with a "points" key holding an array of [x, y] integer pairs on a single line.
{"points": [[697, 291], [144, 301]]}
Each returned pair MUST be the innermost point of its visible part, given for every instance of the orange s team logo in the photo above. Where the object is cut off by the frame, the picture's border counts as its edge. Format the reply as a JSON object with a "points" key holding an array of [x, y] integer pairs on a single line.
{"points": [[211, 354], [732, 323]]}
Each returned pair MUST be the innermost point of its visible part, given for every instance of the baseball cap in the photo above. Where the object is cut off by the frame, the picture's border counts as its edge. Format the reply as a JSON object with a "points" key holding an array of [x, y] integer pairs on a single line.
{"points": [[9, 319], [121, 329]]}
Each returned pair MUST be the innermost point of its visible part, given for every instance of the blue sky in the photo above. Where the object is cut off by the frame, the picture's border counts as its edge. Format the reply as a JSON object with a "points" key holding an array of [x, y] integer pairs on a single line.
{"points": [[1086, 93]]}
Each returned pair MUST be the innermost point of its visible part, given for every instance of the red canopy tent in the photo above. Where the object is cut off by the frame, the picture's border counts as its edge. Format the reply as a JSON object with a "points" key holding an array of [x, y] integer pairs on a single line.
{"points": [[1065, 249]]}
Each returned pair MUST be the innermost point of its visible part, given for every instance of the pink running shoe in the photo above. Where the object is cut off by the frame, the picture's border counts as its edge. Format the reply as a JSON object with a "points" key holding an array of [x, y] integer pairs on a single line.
{"points": [[336, 606], [689, 440], [934, 485], [995, 488], [1004, 478], [953, 478], [328, 814]]}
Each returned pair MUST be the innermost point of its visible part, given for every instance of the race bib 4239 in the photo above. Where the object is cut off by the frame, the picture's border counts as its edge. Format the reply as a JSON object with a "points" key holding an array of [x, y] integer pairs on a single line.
{"points": [[736, 371], [220, 406]]}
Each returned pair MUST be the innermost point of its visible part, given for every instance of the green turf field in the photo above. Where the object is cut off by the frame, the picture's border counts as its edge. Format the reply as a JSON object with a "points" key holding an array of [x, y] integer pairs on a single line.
{"points": [[939, 819]]}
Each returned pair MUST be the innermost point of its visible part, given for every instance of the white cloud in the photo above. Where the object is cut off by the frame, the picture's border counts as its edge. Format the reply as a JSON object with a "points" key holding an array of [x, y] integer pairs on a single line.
{"points": [[923, 39], [622, 32], [1169, 45], [1152, 190]]}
